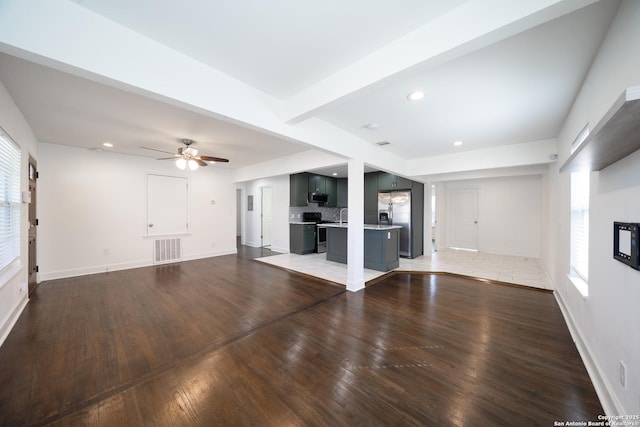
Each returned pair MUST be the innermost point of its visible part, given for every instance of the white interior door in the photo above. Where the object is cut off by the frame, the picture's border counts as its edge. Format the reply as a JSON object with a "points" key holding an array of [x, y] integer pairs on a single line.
{"points": [[463, 218], [166, 205], [266, 216]]}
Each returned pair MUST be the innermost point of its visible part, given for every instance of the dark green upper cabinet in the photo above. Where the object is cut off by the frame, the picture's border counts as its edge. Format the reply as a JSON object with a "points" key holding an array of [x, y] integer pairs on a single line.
{"points": [[331, 188], [342, 186], [298, 189], [324, 184], [388, 182], [317, 184]]}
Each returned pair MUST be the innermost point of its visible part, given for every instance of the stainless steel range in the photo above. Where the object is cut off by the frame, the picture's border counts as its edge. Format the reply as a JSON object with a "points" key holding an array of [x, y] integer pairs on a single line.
{"points": [[321, 232]]}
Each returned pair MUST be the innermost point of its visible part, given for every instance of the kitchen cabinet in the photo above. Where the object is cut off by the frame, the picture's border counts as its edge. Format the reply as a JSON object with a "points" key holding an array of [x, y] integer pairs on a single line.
{"points": [[371, 198], [342, 189], [317, 184], [381, 246], [381, 249], [375, 182], [331, 188], [298, 189], [388, 181], [302, 238], [326, 185]]}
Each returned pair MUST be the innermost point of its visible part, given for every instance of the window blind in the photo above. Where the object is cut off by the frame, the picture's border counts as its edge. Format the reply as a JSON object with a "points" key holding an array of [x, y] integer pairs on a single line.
{"points": [[9, 200], [580, 224]]}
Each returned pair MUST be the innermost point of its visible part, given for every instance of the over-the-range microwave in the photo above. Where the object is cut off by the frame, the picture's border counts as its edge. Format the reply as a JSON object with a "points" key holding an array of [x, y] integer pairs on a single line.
{"points": [[318, 197]]}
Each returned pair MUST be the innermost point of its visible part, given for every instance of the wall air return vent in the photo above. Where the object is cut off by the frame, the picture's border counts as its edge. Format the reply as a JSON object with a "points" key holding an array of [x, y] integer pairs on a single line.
{"points": [[166, 251]]}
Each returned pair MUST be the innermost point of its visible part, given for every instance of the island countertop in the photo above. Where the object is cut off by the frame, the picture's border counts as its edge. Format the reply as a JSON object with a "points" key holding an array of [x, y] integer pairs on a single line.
{"points": [[366, 226]]}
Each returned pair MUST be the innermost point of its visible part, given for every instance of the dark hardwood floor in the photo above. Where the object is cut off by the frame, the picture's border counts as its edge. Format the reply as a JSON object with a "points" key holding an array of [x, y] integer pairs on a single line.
{"points": [[230, 341]]}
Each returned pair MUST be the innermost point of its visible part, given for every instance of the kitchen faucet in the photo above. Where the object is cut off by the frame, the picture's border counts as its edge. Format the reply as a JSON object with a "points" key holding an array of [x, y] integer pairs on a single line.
{"points": [[342, 210]]}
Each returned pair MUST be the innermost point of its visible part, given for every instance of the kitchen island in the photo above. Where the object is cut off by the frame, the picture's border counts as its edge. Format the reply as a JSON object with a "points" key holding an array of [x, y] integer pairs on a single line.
{"points": [[381, 245]]}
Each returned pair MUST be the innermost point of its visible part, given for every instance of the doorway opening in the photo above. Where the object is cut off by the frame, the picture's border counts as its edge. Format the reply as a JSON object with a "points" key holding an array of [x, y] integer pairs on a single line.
{"points": [[434, 221], [238, 217], [265, 217]]}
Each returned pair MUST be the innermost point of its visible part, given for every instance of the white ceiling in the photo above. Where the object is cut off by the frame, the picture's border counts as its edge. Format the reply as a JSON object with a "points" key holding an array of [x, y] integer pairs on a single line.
{"points": [[518, 89], [64, 109], [277, 46]]}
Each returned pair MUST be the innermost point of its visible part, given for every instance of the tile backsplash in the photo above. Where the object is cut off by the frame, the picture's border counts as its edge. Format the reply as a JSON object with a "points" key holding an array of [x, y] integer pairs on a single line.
{"points": [[328, 214]]}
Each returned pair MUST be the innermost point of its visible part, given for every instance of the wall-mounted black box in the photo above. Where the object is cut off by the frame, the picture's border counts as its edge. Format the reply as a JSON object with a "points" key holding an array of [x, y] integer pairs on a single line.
{"points": [[625, 243]]}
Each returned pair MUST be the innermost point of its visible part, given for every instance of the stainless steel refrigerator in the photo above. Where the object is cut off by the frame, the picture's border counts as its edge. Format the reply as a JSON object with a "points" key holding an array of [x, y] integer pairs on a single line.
{"points": [[394, 208]]}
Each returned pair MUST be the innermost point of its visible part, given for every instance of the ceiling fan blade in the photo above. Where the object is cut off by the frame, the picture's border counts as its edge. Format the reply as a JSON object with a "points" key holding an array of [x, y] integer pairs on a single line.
{"points": [[199, 161], [175, 156], [155, 149], [214, 159]]}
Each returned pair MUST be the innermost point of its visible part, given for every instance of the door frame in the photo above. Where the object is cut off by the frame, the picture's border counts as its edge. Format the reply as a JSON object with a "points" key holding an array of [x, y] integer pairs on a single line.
{"points": [[32, 268], [265, 196]]}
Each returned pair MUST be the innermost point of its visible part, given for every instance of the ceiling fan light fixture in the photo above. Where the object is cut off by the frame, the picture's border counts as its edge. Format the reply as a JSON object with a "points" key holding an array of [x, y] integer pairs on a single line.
{"points": [[189, 151], [193, 165], [187, 157], [181, 163]]}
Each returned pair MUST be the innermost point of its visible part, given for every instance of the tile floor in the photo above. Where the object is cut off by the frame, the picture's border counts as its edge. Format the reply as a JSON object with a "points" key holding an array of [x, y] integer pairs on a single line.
{"points": [[505, 268]]}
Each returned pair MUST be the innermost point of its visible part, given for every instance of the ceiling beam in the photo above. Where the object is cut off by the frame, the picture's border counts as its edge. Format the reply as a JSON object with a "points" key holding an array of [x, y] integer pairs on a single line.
{"points": [[513, 155]]}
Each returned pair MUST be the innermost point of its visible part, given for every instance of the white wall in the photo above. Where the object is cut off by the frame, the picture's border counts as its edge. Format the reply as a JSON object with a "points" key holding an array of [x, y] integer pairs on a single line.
{"points": [[605, 324], [509, 214], [13, 280], [90, 201], [280, 214]]}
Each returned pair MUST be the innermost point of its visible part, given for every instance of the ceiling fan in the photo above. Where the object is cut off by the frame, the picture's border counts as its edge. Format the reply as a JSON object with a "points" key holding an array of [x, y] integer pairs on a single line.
{"points": [[187, 156]]}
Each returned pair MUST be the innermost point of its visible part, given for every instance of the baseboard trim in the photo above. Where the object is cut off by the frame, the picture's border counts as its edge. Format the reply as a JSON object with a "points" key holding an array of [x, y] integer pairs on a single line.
{"points": [[65, 274], [607, 396], [12, 318], [76, 272], [210, 254]]}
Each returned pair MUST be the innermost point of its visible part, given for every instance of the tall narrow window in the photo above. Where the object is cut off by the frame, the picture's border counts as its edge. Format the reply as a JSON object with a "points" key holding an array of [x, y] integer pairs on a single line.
{"points": [[9, 200], [580, 229]]}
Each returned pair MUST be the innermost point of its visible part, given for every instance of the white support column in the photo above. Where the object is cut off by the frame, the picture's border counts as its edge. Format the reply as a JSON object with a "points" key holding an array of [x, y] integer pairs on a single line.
{"points": [[355, 234], [428, 219]]}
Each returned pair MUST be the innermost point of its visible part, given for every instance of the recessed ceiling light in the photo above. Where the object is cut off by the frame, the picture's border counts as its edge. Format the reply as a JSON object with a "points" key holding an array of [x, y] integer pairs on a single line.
{"points": [[371, 126], [457, 143], [415, 96], [335, 174], [381, 143], [107, 144]]}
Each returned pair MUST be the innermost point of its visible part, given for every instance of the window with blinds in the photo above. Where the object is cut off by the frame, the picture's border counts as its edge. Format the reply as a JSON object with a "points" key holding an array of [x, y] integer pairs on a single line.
{"points": [[9, 200], [580, 224]]}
